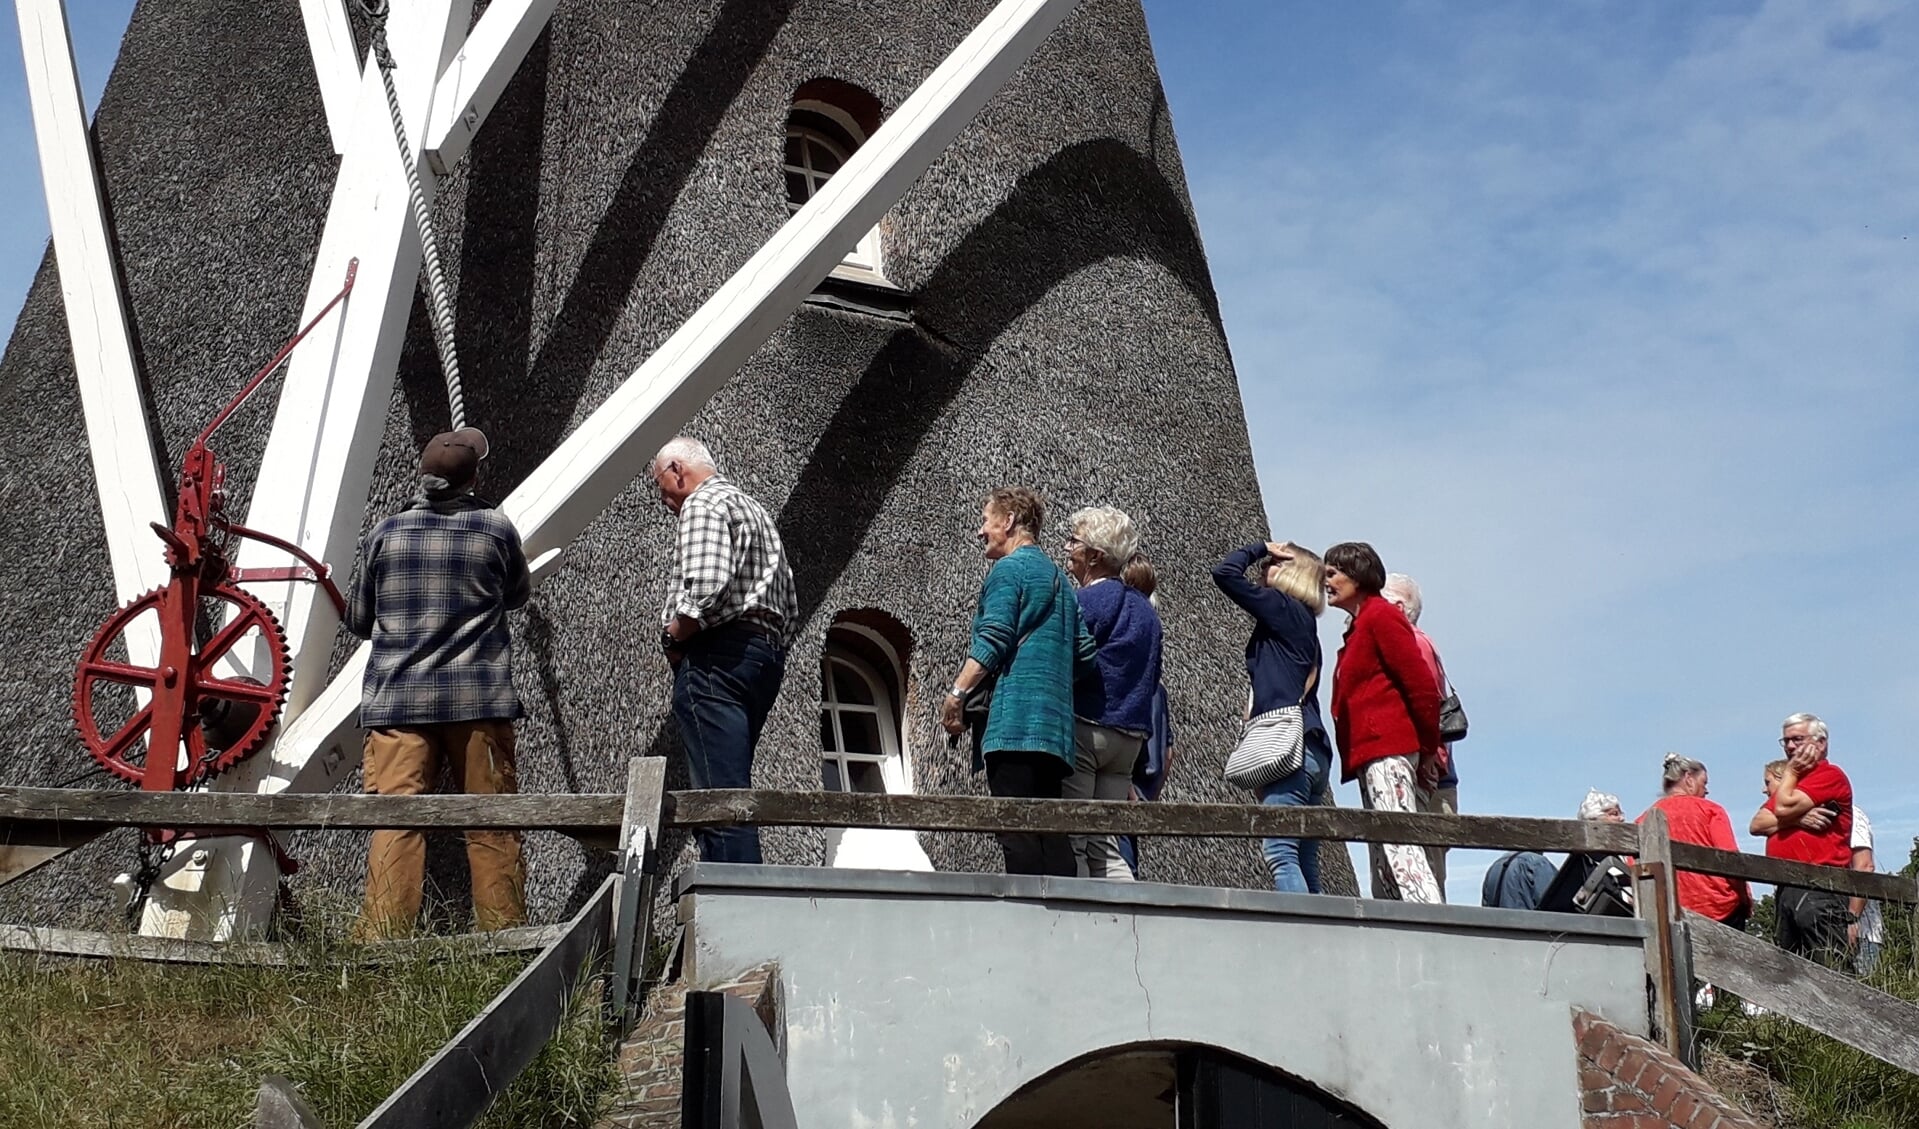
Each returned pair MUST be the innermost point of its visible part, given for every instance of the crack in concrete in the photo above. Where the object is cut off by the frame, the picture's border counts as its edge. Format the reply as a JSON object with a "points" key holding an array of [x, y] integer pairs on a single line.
{"points": [[1138, 979]]}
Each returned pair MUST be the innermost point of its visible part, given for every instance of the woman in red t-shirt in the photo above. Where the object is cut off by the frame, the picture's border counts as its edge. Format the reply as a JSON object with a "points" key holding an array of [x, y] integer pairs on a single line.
{"points": [[1693, 818]]}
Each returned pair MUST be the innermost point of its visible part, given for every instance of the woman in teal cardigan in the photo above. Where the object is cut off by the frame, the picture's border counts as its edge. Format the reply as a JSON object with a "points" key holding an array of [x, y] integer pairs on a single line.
{"points": [[1027, 631]]}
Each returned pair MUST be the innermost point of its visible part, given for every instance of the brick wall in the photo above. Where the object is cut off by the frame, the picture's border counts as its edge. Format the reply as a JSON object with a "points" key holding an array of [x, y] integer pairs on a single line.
{"points": [[650, 1058], [1627, 1082]]}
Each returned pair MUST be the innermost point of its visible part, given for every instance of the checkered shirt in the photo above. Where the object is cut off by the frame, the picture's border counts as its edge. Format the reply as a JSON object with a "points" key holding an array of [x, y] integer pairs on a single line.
{"points": [[432, 589], [732, 564]]}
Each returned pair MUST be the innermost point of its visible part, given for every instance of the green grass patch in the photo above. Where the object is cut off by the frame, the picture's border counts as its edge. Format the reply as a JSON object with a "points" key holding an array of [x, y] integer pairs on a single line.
{"points": [[133, 1045], [1832, 1085]]}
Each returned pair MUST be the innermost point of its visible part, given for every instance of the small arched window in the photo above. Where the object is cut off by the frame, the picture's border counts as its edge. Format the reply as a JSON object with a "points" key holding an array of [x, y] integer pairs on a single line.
{"points": [[829, 120], [862, 738], [859, 727]]}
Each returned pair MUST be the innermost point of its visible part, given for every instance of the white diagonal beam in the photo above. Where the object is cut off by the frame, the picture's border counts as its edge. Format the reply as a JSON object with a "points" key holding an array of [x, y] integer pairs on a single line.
{"points": [[593, 464], [336, 64], [479, 74], [125, 473]]}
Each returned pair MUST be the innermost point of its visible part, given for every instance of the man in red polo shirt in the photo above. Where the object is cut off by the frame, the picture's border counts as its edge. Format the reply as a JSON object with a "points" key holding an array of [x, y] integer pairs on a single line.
{"points": [[1808, 818]]}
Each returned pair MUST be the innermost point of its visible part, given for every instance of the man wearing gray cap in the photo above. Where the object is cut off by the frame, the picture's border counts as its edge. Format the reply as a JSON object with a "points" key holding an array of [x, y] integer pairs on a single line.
{"points": [[432, 589]]}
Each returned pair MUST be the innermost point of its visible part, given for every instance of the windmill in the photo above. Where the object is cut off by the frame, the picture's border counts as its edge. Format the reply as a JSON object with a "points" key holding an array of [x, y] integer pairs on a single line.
{"points": [[321, 457]]}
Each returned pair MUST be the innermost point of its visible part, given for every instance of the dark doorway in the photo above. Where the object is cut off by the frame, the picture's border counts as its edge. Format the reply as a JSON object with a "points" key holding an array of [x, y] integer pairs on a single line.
{"points": [[1218, 1090], [1171, 1086]]}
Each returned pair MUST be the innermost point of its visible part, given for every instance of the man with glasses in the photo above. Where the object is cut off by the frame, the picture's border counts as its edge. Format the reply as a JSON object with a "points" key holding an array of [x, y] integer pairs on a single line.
{"points": [[731, 608], [1808, 818]]}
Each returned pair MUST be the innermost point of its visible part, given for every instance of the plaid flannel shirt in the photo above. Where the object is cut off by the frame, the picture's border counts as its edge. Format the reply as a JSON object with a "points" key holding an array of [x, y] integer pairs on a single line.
{"points": [[731, 564], [432, 590]]}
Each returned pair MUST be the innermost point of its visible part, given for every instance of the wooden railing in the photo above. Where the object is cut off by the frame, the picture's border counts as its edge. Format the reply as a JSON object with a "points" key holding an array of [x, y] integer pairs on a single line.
{"points": [[32, 816], [495, 1045]]}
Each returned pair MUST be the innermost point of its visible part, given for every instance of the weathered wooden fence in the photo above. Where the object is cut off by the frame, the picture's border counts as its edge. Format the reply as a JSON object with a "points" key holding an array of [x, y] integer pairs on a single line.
{"points": [[456, 1085]]}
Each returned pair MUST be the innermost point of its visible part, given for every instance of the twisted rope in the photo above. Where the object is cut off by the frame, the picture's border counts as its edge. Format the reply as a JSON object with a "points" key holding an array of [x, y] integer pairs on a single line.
{"points": [[439, 300]]}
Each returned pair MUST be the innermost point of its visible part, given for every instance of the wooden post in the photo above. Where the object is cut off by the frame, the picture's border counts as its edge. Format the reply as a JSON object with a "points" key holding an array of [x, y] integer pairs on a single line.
{"points": [[639, 840], [1658, 906]]}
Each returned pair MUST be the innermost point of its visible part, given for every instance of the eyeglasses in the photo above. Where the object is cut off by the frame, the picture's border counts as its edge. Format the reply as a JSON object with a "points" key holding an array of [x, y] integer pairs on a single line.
{"points": [[1075, 543], [1796, 741]]}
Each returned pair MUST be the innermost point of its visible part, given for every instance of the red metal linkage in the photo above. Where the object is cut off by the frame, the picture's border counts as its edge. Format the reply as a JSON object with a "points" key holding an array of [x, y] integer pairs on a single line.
{"points": [[266, 370]]}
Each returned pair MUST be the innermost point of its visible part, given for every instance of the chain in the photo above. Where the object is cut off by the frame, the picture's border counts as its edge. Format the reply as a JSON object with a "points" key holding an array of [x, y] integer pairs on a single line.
{"points": [[145, 874], [439, 299]]}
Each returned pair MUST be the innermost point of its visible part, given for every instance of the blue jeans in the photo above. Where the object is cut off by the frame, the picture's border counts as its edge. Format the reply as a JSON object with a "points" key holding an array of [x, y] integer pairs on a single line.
{"points": [[723, 688], [1295, 862]]}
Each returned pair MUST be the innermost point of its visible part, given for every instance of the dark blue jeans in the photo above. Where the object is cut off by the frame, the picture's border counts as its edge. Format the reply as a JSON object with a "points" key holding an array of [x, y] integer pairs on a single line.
{"points": [[723, 689]]}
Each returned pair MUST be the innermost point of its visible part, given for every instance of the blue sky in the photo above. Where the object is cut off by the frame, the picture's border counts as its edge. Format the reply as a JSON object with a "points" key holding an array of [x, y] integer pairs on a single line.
{"points": [[1601, 319]]}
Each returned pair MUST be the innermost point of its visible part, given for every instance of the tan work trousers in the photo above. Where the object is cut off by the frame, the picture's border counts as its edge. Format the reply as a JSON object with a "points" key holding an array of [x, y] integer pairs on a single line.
{"points": [[405, 762]]}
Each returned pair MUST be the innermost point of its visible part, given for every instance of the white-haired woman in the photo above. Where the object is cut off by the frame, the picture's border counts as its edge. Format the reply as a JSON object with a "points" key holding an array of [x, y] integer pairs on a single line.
{"points": [[1113, 710], [1282, 661], [1601, 807], [1692, 818]]}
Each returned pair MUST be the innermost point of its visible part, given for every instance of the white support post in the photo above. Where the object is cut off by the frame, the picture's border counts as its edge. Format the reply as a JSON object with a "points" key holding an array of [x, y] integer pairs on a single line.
{"points": [[479, 74], [125, 471], [595, 462], [336, 65]]}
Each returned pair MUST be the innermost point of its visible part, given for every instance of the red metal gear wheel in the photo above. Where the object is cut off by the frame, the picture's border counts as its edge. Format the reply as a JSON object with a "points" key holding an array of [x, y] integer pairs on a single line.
{"points": [[236, 712]]}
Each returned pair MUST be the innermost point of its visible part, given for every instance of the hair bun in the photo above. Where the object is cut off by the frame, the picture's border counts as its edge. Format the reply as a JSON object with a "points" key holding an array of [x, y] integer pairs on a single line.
{"points": [[1672, 759]]}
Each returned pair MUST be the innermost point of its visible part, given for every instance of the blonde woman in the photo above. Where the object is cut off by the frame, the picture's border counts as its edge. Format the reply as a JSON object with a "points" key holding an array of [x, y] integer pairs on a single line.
{"points": [[1282, 662]]}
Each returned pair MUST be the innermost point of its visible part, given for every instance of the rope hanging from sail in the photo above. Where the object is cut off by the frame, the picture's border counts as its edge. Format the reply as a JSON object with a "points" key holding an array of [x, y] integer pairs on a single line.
{"points": [[439, 299]]}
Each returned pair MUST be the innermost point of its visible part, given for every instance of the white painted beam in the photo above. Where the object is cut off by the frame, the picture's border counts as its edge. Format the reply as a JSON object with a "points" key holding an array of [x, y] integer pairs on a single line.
{"points": [[593, 464], [336, 64], [479, 74], [606, 452], [125, 471]]}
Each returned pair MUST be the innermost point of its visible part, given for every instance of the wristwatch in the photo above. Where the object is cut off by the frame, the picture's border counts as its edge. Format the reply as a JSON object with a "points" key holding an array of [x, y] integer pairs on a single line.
{"points": [[956, 692]]}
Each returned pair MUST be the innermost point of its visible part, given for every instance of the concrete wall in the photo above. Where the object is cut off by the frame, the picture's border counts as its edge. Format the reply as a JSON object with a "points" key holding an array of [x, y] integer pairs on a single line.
{"points": [[926, 1000]]}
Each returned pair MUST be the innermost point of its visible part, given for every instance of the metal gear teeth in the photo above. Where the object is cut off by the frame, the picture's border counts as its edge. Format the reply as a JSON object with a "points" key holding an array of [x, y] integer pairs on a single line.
{"points": [[87, 728]]}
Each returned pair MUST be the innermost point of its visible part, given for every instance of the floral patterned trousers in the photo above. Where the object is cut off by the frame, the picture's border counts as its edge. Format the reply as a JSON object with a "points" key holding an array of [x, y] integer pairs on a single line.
{"points": [[1400, 871]]}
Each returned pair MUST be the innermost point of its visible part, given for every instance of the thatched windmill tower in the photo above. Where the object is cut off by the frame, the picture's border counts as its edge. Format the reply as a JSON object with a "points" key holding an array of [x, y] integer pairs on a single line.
{"points": [[1033, 307]]}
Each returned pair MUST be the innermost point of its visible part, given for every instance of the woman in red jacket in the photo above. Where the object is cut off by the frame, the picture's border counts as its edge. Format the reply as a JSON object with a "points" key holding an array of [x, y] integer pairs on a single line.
{"points": [[1385, 713], [1692, 818]]}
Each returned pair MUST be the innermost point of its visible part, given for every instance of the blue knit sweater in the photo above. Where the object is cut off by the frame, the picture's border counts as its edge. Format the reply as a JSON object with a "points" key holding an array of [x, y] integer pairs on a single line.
{"points": [[1126, 627]]}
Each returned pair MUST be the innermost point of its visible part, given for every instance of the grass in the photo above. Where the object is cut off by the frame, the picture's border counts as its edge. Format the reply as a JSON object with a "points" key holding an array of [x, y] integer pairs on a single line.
{"points": [[131, 1045], [1831, 1085]]}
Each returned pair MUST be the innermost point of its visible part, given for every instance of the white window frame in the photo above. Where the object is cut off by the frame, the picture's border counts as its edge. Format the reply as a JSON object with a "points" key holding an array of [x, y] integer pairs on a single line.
{"points": [[864, 262], [883, 710], [873, 848]]}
